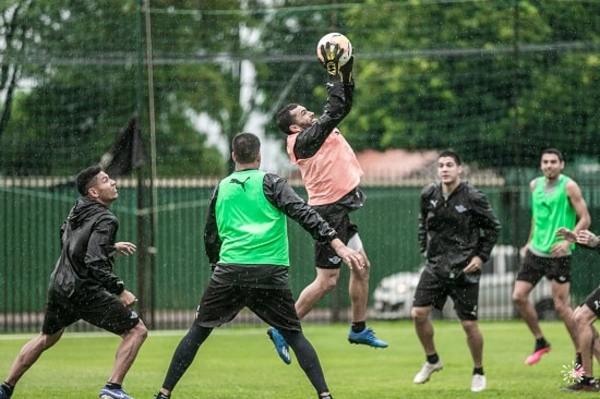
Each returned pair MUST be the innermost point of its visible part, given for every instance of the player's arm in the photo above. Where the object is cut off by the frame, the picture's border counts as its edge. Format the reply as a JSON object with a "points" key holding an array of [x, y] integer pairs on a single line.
{"points": [[487, 222], [339, 104], [583, 237], [279, 193], [99, 254], [422, 231], [581, 209], [212, 241], [583, 218], [524, 248], [589, 239]]}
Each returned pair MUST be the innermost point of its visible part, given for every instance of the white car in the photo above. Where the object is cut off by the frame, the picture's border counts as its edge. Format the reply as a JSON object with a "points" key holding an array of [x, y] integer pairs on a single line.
{"points": [[394, 294]]}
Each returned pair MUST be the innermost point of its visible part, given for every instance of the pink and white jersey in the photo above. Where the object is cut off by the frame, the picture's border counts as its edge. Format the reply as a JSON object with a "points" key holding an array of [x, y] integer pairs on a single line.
{"points": [[331, 173]]}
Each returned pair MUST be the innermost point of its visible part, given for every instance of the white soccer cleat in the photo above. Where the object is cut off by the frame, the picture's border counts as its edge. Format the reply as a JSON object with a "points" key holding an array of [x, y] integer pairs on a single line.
{"points": [[478, 383], [425, 373]]}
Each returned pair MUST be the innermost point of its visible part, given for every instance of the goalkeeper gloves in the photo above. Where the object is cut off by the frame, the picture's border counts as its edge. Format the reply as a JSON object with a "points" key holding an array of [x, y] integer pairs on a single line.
{"points": [[331, 53]]}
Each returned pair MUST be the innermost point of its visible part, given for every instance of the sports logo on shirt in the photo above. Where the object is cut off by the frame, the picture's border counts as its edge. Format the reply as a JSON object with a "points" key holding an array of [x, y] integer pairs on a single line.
{"points": [[433, 202], [460, 208], [241, 183], [335, 260]]}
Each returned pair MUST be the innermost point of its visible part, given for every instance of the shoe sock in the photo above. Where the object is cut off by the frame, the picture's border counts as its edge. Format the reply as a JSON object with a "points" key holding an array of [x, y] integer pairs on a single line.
{"points": [[358, 326], [478, 370], [112, 385], [578, 361], [541, 343], [433, 358], [7, 388], [585, 380]]}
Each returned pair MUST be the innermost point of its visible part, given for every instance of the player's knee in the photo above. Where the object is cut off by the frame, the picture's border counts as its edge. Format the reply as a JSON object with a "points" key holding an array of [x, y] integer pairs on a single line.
{"points": [[328, 284], [579, 318], [470, 327], [140, 330], [47, 341], [561, 306], [362, 274], [519, 298], [419, 315], [327, 281]]}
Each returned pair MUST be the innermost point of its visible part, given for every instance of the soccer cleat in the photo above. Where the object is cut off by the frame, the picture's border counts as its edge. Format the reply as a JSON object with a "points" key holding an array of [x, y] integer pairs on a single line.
{"points": [[108, 393], [4, 392], [478, 383], [281, 346], [161, 396], [582, 387], [366, 337], [536, 356], [425, 373]]}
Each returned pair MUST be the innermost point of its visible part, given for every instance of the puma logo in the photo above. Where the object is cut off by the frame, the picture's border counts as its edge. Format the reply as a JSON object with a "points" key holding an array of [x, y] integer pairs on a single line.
{"points": [[241, 183]]}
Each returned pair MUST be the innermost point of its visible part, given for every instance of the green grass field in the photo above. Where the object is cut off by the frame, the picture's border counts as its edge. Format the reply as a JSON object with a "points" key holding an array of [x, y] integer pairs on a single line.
{"points": [[241, 363]]}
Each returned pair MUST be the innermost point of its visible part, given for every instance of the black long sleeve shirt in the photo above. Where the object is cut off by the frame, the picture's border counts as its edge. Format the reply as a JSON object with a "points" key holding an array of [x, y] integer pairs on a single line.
{"points": [[454, 230], [87, 255]]}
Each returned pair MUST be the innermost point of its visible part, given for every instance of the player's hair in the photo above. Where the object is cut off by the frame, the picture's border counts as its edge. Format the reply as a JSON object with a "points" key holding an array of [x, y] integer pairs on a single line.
{"points": [[86, 178], [553, 151], [246, 147], [451, 154], [284, 117]]}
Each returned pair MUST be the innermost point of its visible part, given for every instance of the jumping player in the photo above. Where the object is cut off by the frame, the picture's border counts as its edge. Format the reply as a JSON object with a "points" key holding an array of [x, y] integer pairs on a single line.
{"points": [[331, 174]]}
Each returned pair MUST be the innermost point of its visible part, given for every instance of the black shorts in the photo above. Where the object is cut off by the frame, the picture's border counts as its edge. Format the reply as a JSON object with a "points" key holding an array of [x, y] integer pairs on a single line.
{"points": [[593, 301], [100, 308], [337, 215], [535, 267], [222, 302], [433, 290]]}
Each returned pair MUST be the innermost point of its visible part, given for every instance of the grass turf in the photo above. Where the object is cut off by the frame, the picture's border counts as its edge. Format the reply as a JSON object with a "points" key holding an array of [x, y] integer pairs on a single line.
{"points": [[241, 363]]}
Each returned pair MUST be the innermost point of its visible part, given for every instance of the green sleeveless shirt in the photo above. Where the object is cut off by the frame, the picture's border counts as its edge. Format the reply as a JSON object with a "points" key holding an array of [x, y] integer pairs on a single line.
{"points": [[252, 230], [550, 211]]}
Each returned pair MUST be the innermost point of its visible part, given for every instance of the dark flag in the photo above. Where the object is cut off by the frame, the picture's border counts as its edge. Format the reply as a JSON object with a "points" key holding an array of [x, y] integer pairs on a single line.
{"points": [[127, 153]]}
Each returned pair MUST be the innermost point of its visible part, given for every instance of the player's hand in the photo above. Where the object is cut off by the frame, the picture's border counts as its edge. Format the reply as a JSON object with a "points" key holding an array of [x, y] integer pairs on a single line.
{"points": [[331, 53], [586, 237], [352, 258], [474, 265], [127, 298], [566, 234], [125, 248], [560, 249], [523, 251]]}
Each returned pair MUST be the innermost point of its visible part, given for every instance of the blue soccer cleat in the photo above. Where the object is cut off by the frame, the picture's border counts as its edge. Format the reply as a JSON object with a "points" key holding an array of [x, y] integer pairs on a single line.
{"points": [[281, 346], [108, 393], [366, 337]]}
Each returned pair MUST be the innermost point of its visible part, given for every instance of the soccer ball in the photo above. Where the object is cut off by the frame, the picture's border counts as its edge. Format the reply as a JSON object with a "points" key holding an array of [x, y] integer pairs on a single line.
{"points": [[341, 40]]}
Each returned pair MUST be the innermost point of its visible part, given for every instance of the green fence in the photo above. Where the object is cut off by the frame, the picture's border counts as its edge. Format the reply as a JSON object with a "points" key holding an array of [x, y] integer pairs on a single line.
{"points": [[32, 210]]}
